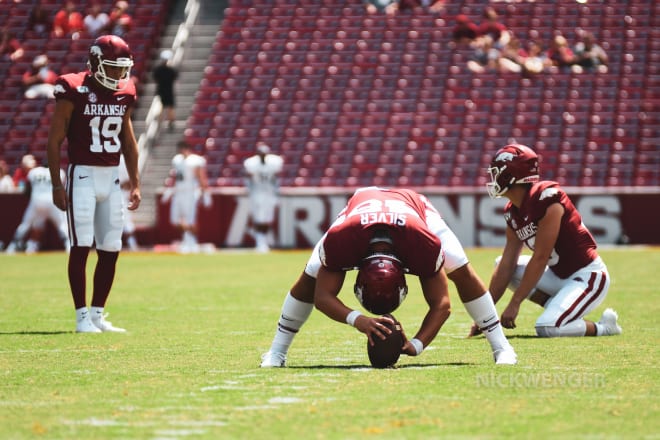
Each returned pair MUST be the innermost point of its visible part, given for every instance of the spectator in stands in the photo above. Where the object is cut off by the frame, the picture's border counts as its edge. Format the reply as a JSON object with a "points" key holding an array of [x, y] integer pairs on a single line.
{"points": [[120, 22], [40, 22], [432, 6], [20, 175], [513, 57], [389, 7], [589, 56], [485, 57], [165, 75], [187, 184], [535, 61], [39, 211], [68, 21], [6, 182], [39, 81], [559, 55], [464, 32], [262, 181], [96, 20], [491, 25], [10, 48]]}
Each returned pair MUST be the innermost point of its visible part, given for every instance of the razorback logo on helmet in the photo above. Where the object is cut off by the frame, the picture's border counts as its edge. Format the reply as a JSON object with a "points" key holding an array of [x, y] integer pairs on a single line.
{"points": [[504, 156]]}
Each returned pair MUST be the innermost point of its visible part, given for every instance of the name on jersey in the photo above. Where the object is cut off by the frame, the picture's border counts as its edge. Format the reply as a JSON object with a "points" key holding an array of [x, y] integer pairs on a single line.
{"points": [[392, 218], [526, 232], [105, 109]]}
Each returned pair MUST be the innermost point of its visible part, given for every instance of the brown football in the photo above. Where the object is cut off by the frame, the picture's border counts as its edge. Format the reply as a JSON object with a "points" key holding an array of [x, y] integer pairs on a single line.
{"points": [[385, 352]]}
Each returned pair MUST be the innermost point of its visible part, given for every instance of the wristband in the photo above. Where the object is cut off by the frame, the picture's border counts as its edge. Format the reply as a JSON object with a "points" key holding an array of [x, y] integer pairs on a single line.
{"points": [[419, 346], [58, 187], [351, 317]]}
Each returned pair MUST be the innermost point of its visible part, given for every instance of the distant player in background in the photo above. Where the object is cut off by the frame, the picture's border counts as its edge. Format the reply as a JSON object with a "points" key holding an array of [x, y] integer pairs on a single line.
{"points": [[129, 226], [565, 274], [39, 211], [262, 181], [190, 184], [397, 228], [93, 112]]}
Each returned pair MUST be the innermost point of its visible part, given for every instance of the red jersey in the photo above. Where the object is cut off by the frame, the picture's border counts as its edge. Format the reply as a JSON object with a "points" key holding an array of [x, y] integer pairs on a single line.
{"points": [[402, 212], [96, 123], [575, 246]]}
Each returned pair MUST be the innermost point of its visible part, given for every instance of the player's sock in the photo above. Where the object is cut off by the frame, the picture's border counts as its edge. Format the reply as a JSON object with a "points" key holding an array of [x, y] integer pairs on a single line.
{"points": [[82, 314], [294, 314], [132, 243], [483, 312], [77, 278], [104, 275]]}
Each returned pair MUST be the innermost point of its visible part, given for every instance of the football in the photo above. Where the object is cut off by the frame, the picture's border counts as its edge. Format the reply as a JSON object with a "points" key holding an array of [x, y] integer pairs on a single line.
{"points": [[385, 352]]}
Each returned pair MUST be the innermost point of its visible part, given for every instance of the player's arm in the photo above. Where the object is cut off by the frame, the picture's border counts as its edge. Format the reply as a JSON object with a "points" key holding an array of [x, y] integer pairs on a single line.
{"points": [[436, 293], [544, 244], [326, 291], [59, 127], [507, 265], [129, 149]]}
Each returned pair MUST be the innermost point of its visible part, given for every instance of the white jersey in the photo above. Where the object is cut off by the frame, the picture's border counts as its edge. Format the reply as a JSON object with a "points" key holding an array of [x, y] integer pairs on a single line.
{"points": [[185, 168], [262, 177], [41, 184]]}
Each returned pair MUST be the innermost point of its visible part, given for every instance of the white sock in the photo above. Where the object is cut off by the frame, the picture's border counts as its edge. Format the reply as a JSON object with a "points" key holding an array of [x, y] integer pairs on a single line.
{"points": [[96, 312], [82, 314], [483, 312], [293, 316]]}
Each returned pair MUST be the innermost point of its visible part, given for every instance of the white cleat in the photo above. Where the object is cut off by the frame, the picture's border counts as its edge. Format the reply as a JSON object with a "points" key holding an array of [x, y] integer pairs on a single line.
{"points": [[85, 326], [273, 359], [106, 326], [505, 356], [608, 321]]}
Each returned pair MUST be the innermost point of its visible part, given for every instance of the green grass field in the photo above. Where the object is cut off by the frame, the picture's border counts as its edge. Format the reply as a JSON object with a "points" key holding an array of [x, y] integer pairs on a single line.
{"points": [[188, 368]]}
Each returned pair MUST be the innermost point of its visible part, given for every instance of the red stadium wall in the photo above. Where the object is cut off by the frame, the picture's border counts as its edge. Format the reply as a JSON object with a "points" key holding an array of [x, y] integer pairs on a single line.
{"points": [[305, 213]]}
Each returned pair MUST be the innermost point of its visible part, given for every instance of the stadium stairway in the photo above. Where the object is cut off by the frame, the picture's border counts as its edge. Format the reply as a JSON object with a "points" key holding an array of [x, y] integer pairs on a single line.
{"points": [[191, 70]]}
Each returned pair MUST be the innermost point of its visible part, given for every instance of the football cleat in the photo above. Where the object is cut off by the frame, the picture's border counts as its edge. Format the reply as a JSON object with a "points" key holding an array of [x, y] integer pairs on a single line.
{"points": [[505, 356], [86, 326], [105, 326], [273, 359], [608, 321]]}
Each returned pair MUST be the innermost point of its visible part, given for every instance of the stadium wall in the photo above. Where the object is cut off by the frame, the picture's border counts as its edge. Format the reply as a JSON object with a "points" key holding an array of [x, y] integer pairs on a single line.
{"points": [[614, 215]]}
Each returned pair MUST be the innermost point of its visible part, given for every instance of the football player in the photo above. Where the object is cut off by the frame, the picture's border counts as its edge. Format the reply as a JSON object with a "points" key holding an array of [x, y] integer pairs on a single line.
{"points": [[261, 180], [93, 112], [396, 229], [190, 178], [564, 274], [40, 209]]}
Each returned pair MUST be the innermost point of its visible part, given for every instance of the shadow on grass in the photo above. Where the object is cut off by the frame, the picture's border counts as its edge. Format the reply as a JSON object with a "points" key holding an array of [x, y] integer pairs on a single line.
{"points": [[33, 333], [363, 366]]}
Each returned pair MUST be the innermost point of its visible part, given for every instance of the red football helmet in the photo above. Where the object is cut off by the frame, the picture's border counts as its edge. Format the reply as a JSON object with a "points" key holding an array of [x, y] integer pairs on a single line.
{"points": [[381, 284], [512, 164], [110, 50]]}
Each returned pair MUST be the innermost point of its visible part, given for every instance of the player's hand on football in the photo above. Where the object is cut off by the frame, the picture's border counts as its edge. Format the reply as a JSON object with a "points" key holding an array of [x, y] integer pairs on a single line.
{"points": [[407, 347], [373, 327]]}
